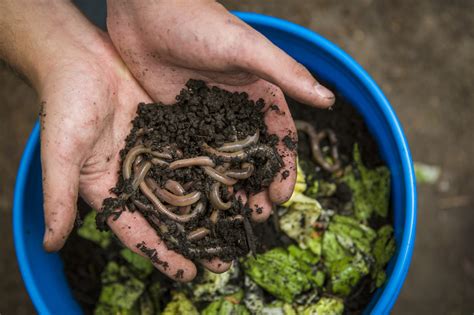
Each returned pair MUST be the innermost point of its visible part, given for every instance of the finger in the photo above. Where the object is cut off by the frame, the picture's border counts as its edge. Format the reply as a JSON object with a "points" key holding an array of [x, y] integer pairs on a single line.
{"points": [[134, 232], [60, 167], [261, 57], [261, 206], [216, 265], [259, 203], [279, 122]]}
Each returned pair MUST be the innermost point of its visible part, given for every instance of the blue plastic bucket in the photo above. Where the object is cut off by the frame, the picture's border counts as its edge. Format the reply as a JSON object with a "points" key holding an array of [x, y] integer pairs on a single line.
{"points": [[42, 272]]}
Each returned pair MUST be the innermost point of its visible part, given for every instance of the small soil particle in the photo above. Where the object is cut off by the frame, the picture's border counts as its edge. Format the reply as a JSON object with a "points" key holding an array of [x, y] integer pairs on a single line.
{"points": [[289, 142], [285, 174]]}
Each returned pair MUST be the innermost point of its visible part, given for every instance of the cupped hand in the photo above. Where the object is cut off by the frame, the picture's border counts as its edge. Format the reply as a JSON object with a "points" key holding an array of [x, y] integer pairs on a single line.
{"points": [[88, 101], [165, 43]]}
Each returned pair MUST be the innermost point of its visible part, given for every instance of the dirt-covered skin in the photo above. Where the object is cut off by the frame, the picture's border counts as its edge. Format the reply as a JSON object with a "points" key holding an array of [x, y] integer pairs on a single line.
{"points": [[202, 117]]}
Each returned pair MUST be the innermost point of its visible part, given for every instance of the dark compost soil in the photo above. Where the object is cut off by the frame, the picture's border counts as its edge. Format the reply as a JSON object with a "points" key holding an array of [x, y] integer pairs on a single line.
{"points": [[202, 117], [83, 271]]}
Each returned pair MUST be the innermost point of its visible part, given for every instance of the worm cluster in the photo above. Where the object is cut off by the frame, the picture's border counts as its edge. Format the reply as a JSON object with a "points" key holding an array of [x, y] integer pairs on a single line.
{"points": [[183, 175], [331, 165], [178, 202]]}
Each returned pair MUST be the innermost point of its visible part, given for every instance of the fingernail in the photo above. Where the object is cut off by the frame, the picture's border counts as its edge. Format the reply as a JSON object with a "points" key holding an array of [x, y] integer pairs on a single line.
{"points": [[323, 92]]}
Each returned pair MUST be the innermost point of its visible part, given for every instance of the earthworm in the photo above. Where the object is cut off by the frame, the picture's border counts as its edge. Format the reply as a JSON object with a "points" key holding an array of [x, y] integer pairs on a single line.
{"points": [[172, 199], [140, 174], [237, 217], [161, 155], [179, 153], [223, 167], [226, 156], [211, 251], [260, 150], [198, 234], [245, 172], [172, 149], [174, 187], [214, 216], [177, 189], [188, 185], [195, 161], [315, 139], [224, 179], [141, 131], [240, 144], [134, 153], [215, 199], [148, 192], [130, 158], [138, 160], [331, 135], [158, 161], [144, 207]]}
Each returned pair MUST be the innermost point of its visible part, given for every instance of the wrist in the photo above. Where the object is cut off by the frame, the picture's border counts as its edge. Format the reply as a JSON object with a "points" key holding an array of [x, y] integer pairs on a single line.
{"points": [[39, 37]]}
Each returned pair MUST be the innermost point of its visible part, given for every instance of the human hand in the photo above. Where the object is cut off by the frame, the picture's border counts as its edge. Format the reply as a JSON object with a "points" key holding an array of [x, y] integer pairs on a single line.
{"points": [[164, 43], [88, 101]]}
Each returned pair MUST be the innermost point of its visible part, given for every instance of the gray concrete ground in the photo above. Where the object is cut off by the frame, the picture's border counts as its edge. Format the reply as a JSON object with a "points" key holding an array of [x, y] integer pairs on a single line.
{"points": [[422, 55]]}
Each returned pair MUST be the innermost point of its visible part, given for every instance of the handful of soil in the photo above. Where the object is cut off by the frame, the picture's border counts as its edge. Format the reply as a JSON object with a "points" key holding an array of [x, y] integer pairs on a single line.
{"points": [[183, 165]]}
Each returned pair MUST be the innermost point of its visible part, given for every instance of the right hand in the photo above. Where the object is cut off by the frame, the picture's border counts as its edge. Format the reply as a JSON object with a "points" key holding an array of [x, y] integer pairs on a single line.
{"points": [[165, 43]]}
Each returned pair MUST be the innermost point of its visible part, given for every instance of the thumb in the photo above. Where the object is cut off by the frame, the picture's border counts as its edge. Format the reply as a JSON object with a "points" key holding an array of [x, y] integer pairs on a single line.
{"points": [[61, 168], [262, 58]]}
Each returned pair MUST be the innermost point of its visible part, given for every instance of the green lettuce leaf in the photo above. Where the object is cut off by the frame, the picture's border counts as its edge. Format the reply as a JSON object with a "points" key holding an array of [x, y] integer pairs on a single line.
{"points": [[370, 188], [141, 265], [325, 306], [89, 231], [180, 305], [120, 287], [281, 274], [383, 249]]}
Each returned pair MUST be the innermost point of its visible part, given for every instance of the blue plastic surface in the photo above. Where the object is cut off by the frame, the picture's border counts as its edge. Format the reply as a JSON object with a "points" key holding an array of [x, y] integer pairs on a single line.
{"points": [[42, 272]]}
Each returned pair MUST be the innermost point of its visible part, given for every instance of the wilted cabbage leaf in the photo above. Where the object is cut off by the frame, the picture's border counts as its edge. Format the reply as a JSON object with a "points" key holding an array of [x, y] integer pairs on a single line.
{"points": [[145, 305], [89, 231], [300, 185], [325, 306], [370, 188], [229, 305], [346, 273], [383, 249], [180, 305], [120, 287], [155, 292], [141, 265], [278, 308], [281, 274], [303, 255], [213, 284], [347, 252], [104, 309], [253, 299], [298, 222], [351, 234]]}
